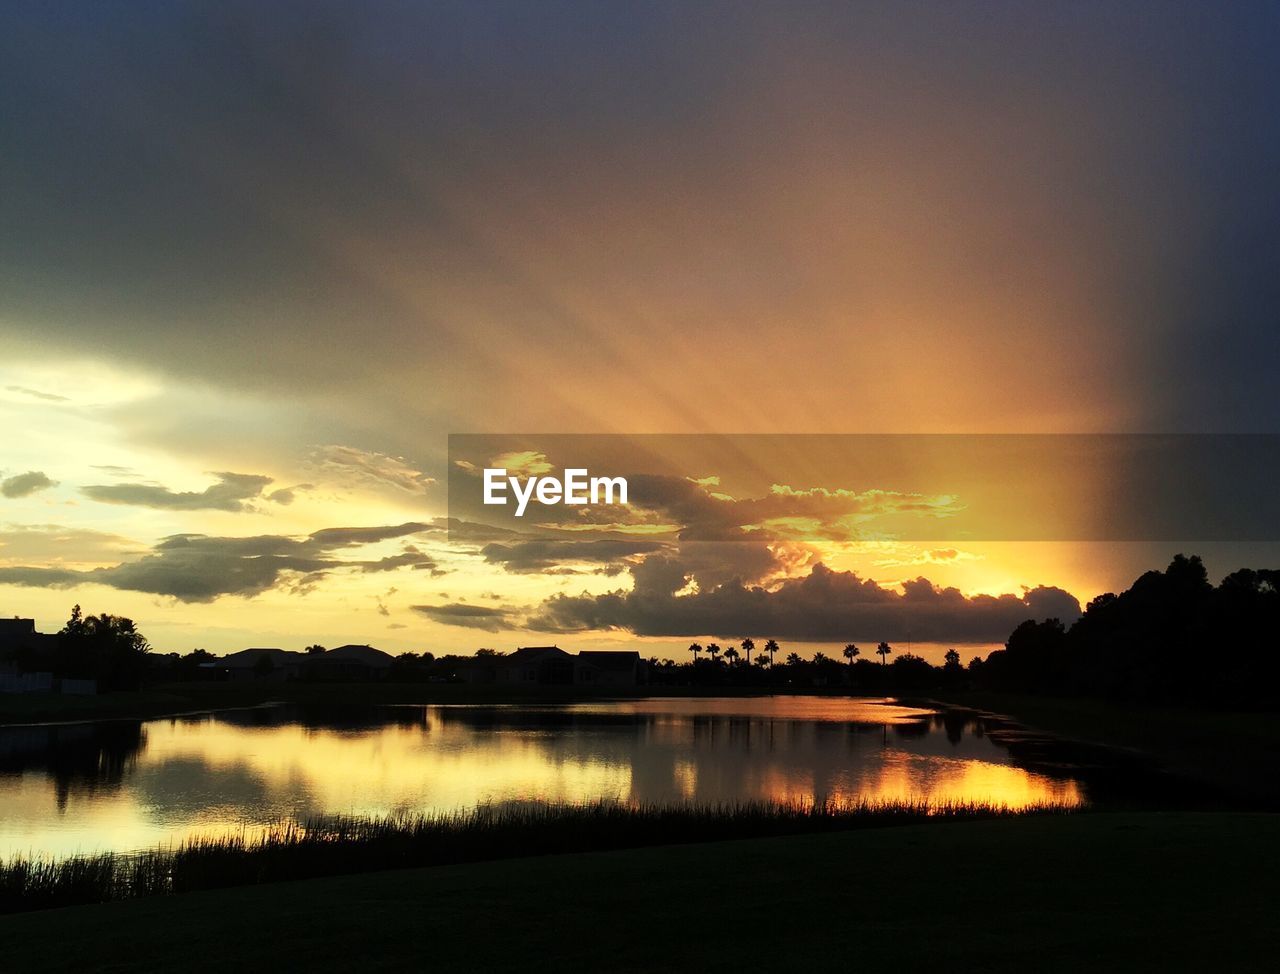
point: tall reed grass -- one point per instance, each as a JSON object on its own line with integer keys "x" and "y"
{"x": 339, "y": 845}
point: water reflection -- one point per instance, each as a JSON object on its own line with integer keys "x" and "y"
{"x": 129, "y": 784}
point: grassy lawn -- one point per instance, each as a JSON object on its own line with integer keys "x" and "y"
{"x": 1122, "y": 892}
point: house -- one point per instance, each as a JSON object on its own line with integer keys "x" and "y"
{"x": 26, "y": 657}
{"x": 349, "y": 662}
{"x": 345, "y": 663}
{"x": 537, "y": 665}
{"x": 19, "y": 636}
{"x": 261, "y": 664}
{"x": 608, "y": 669}
{"x": 551, "y": 665}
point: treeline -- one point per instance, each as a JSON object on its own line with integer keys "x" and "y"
{"x": 711, "y": 666}
{"x": 1170, "y": 638}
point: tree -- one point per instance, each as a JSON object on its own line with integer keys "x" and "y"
{"x": 106, "y": 648}
{"x": 731, "y": 654}
{"x": 748, "y": 647}
{"x": 315, "y": 650}
{"x": 695, "y": 648}
{"x": 762, "y": 660}
{"x": 883, "y": 651}
{"x": 851, "y": 652}
{"x": 771, "y": 647}
{"x": 793, "y": 659}
{"x": 713, "y": 650}
{"x": 951, "y": 662}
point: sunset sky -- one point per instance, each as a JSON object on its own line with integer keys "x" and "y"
{"x": 259, "y": 261}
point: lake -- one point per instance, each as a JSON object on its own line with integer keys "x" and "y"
{"x": 127, "y": 785}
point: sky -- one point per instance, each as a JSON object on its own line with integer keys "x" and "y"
{"x": 259, "y": 261}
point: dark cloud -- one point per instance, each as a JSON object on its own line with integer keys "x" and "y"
{"x": 252, "y": 193}
{"x": 25, "y": 484}
{"x": 233, "y": 492}
{"x": 824, "y": 605}
{"x": 541, "y": 555}
{"x": 470, "y": 616}
{"x": 348, "y": 537}
{"x": 41, "y": 577}
{"x": 201, "y": 568}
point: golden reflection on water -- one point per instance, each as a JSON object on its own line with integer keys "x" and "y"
{"x": 209, "y": 776}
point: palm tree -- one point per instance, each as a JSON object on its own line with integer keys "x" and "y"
{"x": 713, "y": 650}
{"x": 793, "y": 659}
{"x": 771, "y": 647}
{"x": 883, "y": 651}
{"x": 731, "y": 654}
{"x": 748, "y": 647}
{"x": 761, "y": 660}
{"x": 850, "y": 652}
{"x": 695, "y": 648}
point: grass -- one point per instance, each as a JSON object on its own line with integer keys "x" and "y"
{"x": 1098, "y": 892}
{"x": 342, "y": 845}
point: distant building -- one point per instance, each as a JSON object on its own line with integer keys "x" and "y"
{"x": 259, "y": 664}
{"x": 26, "y": 657}
{"x": 608, "y": 669}
{"x": 546, "y": 665}
{"x": 552, "y": 666}
{"x": 346, "y": 663}
{"x": 19, "y": 636}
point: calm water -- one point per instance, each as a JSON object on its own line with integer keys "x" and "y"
{"x": 126, "y": 785}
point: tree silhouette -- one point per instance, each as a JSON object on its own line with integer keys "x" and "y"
{"x": 771, "y": 647}
{"x": 850, "y": 653}
{"x": 695, "y": 648}
{"x": 104, "y": 647}
{"x": 731, "y": 654}
{"x": 762, "y": 659}
{"x": 713, "y": 650}
{"x": 748, "y": 647}
{"x": 883, "y": 651}
{"x": 793, "y": 659}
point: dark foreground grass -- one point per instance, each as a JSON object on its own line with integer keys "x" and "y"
{"x": 336, "y": 846}
{"x": 1098, "y": 892}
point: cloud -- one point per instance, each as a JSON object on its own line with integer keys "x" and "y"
{"x": 287, "y": 495}
{"x": 823, "y": 605}
{"x": 50, "y": 545}
{"x": 37, "y": 394}
{"x": 541, "y": 555}
{"x": 368, "y": 468}
{"x": 233, "y": 492}
{"x": 699, "y": 510}
{"x": 202, "y": 568}
{"x": 522, "y": 463}
{"x": 482, "y": 617}
{"x": 26, "y": 484}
